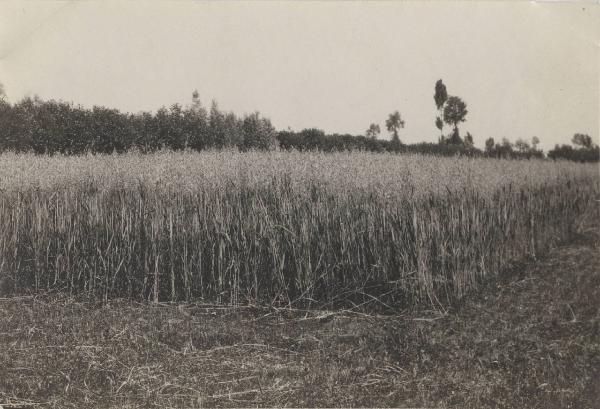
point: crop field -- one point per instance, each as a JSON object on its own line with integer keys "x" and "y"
{"x": 302, "y": 230}
{"x": 227, "y": 279}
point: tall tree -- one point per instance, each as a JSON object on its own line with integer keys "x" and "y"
{"x": 393, "y": 124}
{"x": 440, "y": 97}
{"x": 373, "y": 131}
{"x": 455, "y": 112}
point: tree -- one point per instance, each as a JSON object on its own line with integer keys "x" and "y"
{"x": 578, "y": 155}
{"x": 196, "y": 125}
{"x": 235, "y": 133}
{"x": 499, "y": 150}
{"x": 583, "y": 140}
{"x": 312, "y": 138}
{"x": 489, "y": 145}
{"x": 393, "y": 124}
{"x": 469, "y": 139}
{"x": 258, "y": 133}
{"x": 373, "y": 131}
{"x": 2, "y": 93}
{"x": 534, "y": 151}
{"x": 440, "y": 125}
{"x": 454, "y": 138}
{"x": 197, "y": 107}
{"x": 216, "y": 125}
{"x": 455, "y": 112}
{"x": 522, "y": 146}
{"x": 440, "y": 97}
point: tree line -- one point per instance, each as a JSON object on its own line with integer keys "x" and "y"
{"x": 452, "y": 110}
{"x": 50, "y": 127}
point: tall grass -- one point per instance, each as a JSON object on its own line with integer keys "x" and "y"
{"x": 300, "y": 228}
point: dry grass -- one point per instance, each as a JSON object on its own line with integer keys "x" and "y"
{"x": 301, "y": 230}
{"x": 530, "y": 339}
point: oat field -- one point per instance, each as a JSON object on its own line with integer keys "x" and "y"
{"x": 300, "y": 229}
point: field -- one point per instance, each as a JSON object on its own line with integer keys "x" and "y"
{"x": 303, "y": 230}
{"x": 298, "y": 279}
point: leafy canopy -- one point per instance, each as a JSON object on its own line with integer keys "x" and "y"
{"x": 455, "y": 111}
{"x": 393, "y": 124}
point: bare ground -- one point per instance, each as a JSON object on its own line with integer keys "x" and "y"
{"x": 531, "y": 339}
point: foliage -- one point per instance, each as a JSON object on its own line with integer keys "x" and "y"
{"x": 468, "y": 139}
{"x": 455, "y": 111}
{"x": 522, "y": 145}
{"x": 373, "y": 131}
{"x": 316, "y": 140}
{"x": 454, "y": 138}
{"x": 439, "y": 123}
{"x": 51, "y": 127}
{"x": 393, "y": 124}
{"x": 56, "y": 127}
{"x": 440, "y": 97}
{"x": 567, "y": 152}
{"x": 583, "y": 140}
{"x": 258, "y": 133}
{"x": 519, "y": 150}
{"x": 443, "y": 149}
{"x": 489, "y": 146}
{"x": 586, "y": 151}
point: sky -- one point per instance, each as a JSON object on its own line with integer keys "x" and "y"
{"x": 524, "y": 68}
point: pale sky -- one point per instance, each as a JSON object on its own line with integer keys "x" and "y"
{"x": 523, "y": 68}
